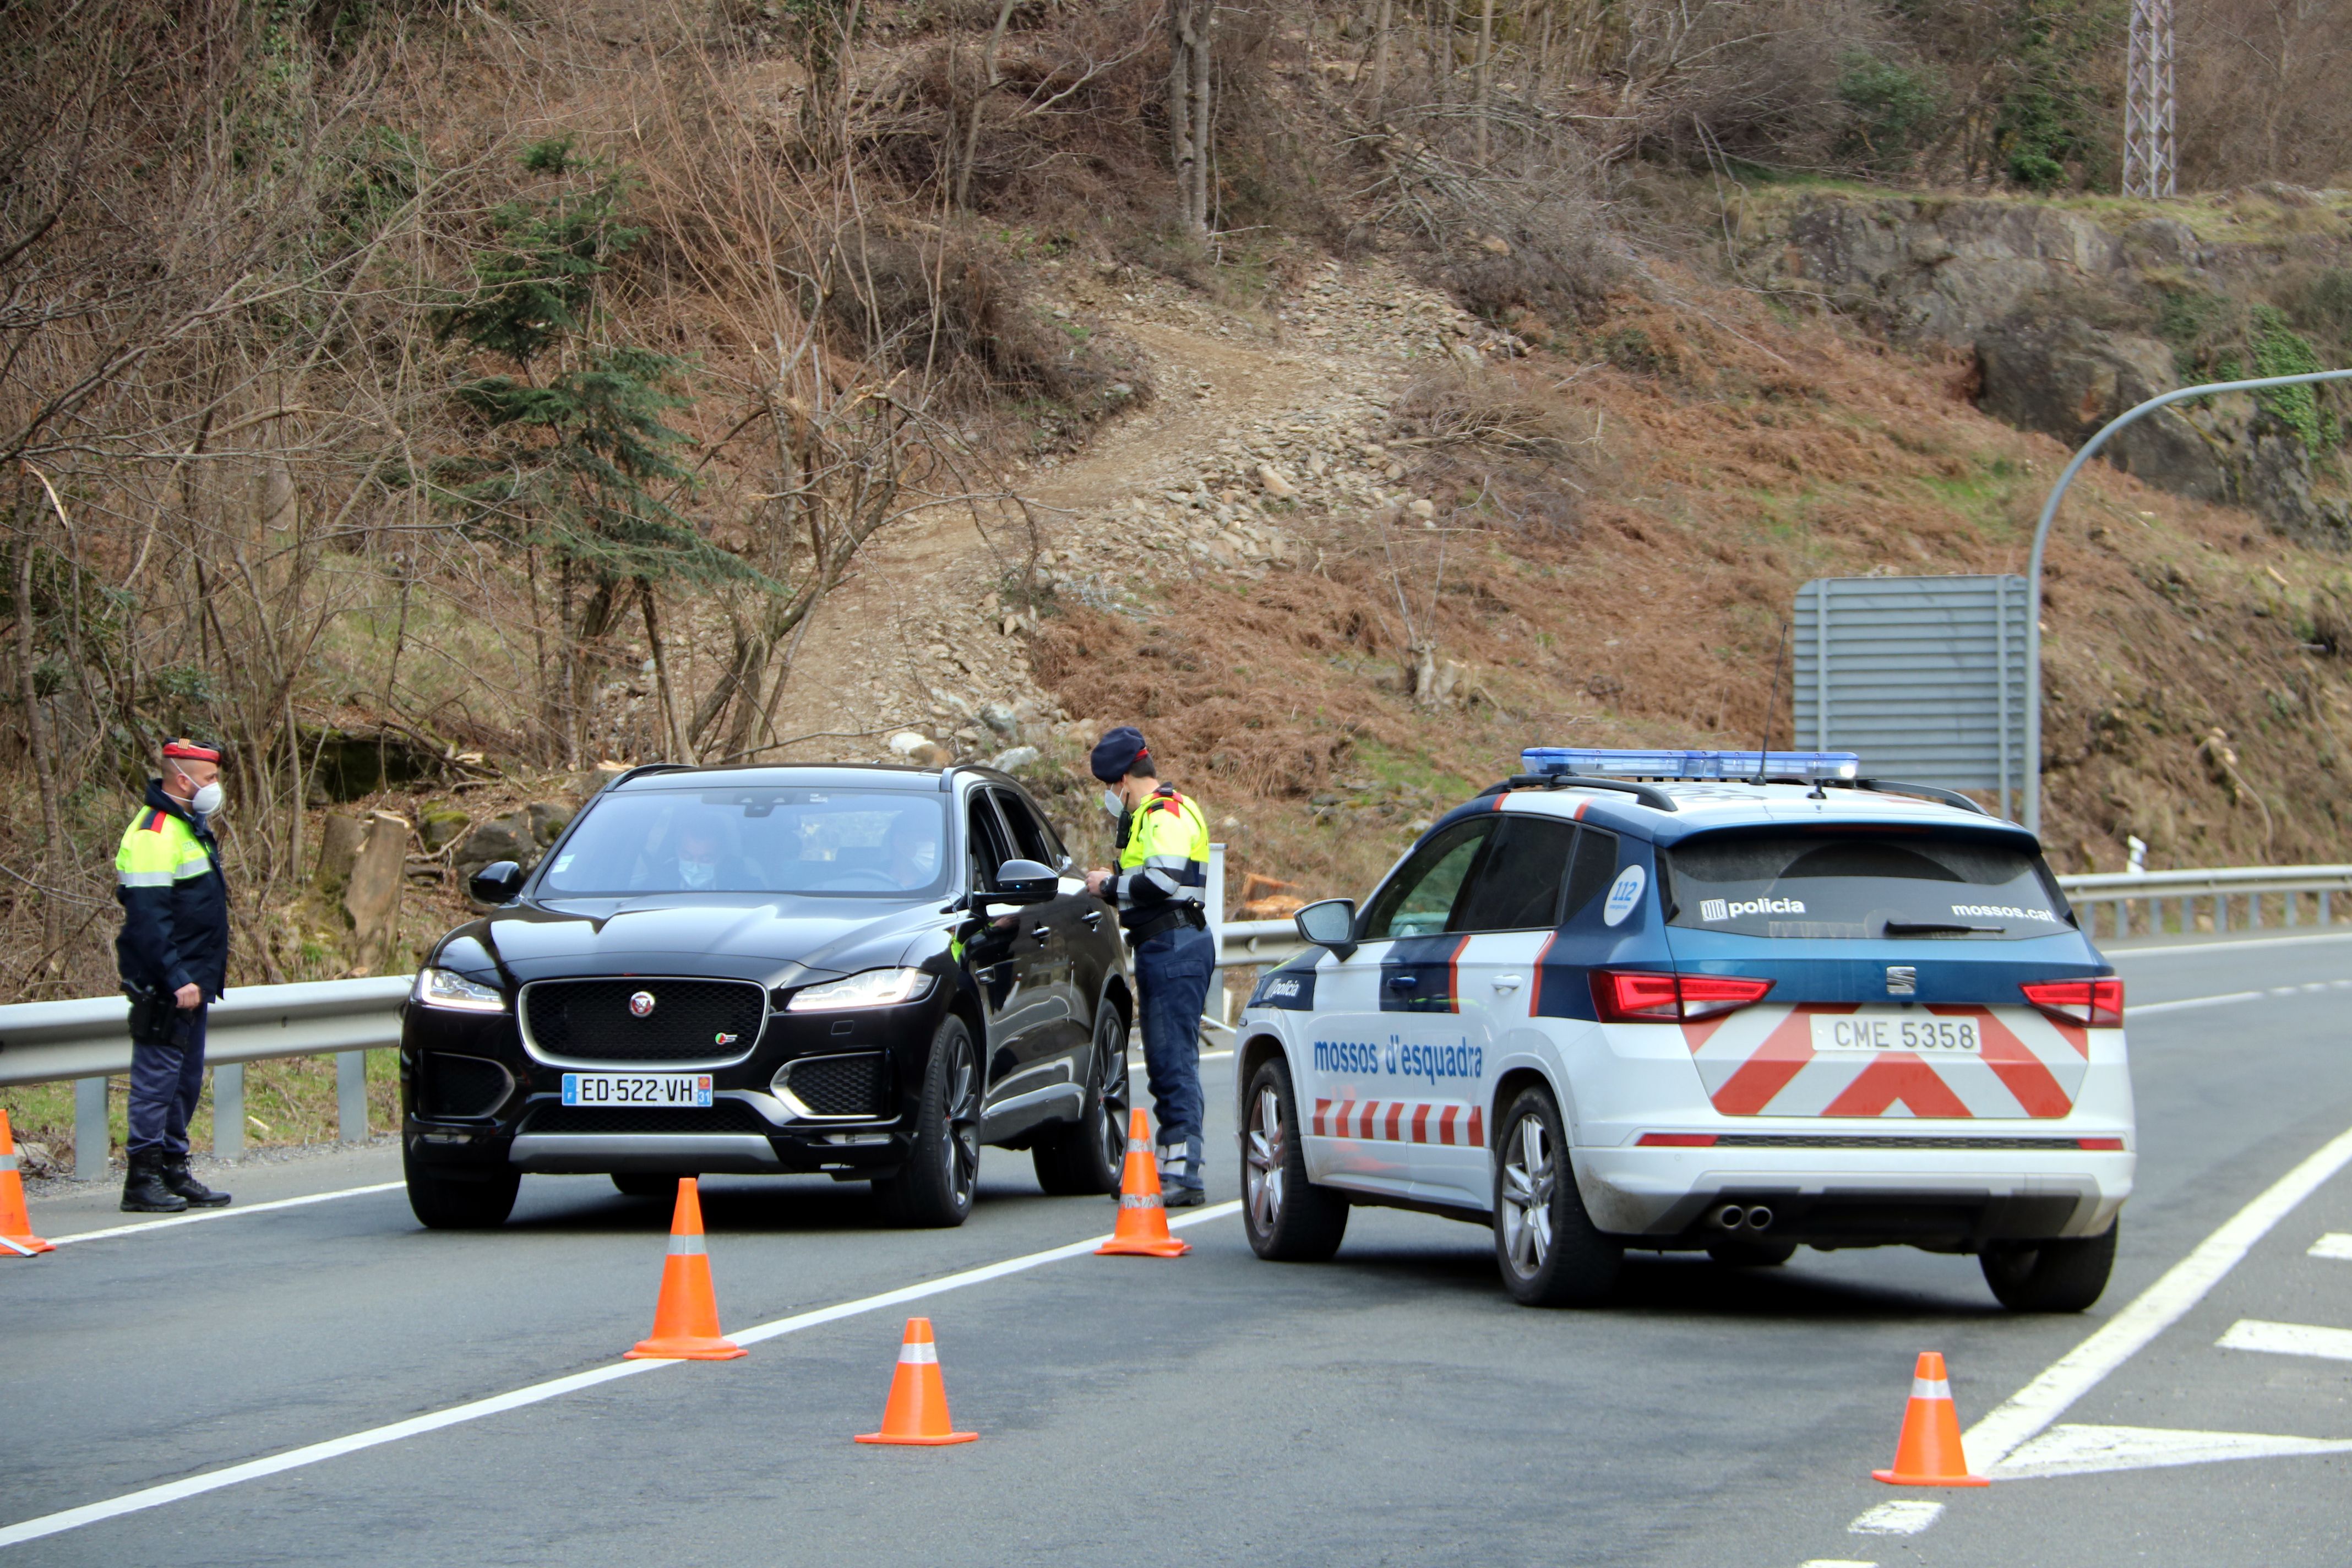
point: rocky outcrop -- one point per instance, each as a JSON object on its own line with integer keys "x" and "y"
{"x": 362, "y": 864}
{"x": 1994, "y": 276}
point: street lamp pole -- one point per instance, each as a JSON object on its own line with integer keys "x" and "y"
{"x": 2042, "y": 541}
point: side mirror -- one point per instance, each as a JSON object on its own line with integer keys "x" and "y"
{"x": 1025, "y": 882}
{"x": 1330, "y": 924}
{"x": 496, "y": 883}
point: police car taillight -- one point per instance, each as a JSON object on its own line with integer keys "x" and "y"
{"x": 2092, "y": 1004}
{"x": 1643, "y": 997}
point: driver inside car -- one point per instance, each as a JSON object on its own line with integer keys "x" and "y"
{"x": 704, "y": 858}
{"x": 914, "y": 852}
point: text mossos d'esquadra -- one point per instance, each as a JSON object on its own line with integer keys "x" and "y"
{"x": 1432, "y": 1064}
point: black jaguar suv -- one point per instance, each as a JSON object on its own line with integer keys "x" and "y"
{"x": 865, "y": 972}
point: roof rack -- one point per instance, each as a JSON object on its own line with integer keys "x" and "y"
{"x": 1924, "y": 792}
{"x": 1650, "y": 795}
{"x": 642, "y": 769}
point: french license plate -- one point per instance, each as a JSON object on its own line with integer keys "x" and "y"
{"x": 1896, "y": 1031}
{"x": 661, "y": 1090}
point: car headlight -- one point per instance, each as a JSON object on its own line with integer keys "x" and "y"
{"x": 448, "y": 988}
{"x": 875, "y": 988}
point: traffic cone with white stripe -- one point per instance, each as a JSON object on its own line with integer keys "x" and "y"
{"x": 1142, "y": 1228}
{"x": 16, "y": 1237}
{"x": 685, "y": 1319}
{"x": 916, "y": 1413}
{"x": 1929, "y": 1454}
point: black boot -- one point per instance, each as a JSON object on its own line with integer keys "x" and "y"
{"x": 144, "y": 1190}
{"x": 181, "y": 1180}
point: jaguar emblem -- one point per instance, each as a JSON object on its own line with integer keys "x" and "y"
{"x": 641, "y": 1005}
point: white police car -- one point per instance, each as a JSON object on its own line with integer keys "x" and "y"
{"x": 1634, "y": 999}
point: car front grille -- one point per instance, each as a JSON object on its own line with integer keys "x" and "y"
{"x": 718, "y": 1116}
{"x": 690, "y": 1020}
{"x": 850, "y": 1085}
{"x": 460, "y": 1086}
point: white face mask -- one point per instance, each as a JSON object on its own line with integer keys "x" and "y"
{"x": 698, "y": 873}
{"x": 1111, "y": 803}
{"x": 207, "y": 798}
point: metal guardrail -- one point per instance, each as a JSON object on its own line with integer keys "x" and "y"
{"x": 87, "y": 1040}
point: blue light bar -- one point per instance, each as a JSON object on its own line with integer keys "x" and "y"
{"x": 1595, "y": 762}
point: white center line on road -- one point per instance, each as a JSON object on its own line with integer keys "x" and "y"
{"x": 1905, "y": 1516}
{"x": 2287, "y": 1338}
{"x": 2121, "y": 952}
{"x": 2155, "y": 1309}
{"x": 235, "y": 1212}
{"x": 2335, "y": 1243}
{"x": 2140, "y": 1009}
{"x": 515, "y": 1399}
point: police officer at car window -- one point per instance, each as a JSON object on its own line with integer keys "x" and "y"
{"x": 1160, "y": 886}
{"x": 172, "y": 956}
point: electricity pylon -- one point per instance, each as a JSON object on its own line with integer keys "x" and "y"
{"x": 2149, "y": 162}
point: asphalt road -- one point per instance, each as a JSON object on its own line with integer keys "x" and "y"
{"x": 1392, "y": 1406}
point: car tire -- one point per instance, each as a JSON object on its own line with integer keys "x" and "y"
{"x": 1288, "y": 1218}
{"x": 441, "y": 1202}
{"x": 645, "y": 1185}
{"x": 1087, "y": 1157}
{"x": 934, "y": 1188}
{"x": 2051, "y": 1276}
{"x": 1753, "y": 1254}
{"x": 1550, "y": 1251}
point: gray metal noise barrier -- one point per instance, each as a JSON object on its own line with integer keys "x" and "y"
{"x": 1925, "y": 677}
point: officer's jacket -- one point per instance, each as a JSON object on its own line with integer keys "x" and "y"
{"x": 167, "y": 878}
{"x": 1163, "y": 857}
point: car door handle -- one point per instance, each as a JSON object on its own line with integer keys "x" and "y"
{"x": 1405, "y": 982}
{"x": 1509, "y": 981}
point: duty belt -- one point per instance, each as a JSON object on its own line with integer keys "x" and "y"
{"x": 1150, "y": 926}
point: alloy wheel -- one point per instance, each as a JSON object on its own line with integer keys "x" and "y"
{"x": 1529, "y": 1175}
{"x": 1262, "y": 1179}
{"x": 960, "y": 1150}
{"x": 1111, "y": 1068}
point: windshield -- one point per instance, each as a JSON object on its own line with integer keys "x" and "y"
{"x": 759, "y": 839}
{"x": 1846, "y": 882}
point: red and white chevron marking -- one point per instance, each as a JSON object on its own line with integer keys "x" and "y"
{"x": 1761, "y": 1061}
{"x": 1449, "y": 1123}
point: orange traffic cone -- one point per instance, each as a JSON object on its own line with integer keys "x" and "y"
{"x": 917, "y": 1411}
{"x": 685, "y": 1319}
{"x": 16, "y": 1237}
{"x": 1142, "y": 1229}
{"x": 1929, "y": 1454}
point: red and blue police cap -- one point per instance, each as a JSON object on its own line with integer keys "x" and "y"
{"x": 193, "y": 751}
{"x": 1115, "y": 755}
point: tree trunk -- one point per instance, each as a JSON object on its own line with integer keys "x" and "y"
{"x": 1381, "y": 59}
{"x": 37, "y": 737}
{"x": 1485, "y": 73}
{"x": 1183, "y": 152}
{"x": 679, "y": 750}
{"x": 987, "y": 86}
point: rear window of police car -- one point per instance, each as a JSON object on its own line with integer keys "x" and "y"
{"x": 1816, "y": 882}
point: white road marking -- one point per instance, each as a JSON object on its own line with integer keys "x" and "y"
{"x": 2138, "y": 1009}
{"x": 2221, "y": 946}
{"x": 2071, "y": 1450}
{"x": 2287, "y": 1338}
{"x": 2155, "y": 1309}
{"x": 1836, "y": 1562}
{"x": 233, "y": 1211}
{"x": 1905, "y": 1516}
{"x": 2335, "y": 1243}
{"x": 515, "y": 1399}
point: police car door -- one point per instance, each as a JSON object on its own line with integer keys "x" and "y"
{"x": 1507, "y": 916}
{"x": 1391, "y": 1000}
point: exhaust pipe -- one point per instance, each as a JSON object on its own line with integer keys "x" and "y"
{"x": 1760, "y": 1219}
{"x": 1730, "y": 1216}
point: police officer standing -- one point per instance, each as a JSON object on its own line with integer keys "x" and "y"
{"x": 1160, "y": 887}
{"x": 172, "y": 956}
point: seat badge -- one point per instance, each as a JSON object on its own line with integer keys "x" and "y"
{"x": 1902, "y": 980}
{"x": 641, "y": 1005}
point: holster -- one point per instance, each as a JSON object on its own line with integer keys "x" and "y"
{"x": 156, "y": 1016}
